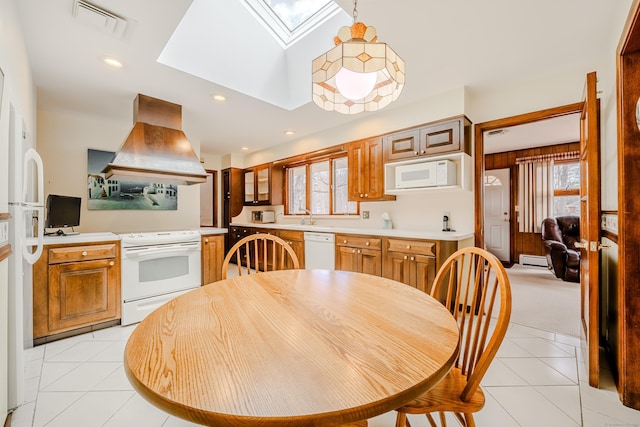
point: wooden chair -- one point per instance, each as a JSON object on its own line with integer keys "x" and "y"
{"x": 473, "y": 284}
{"x": 261, "y": 252}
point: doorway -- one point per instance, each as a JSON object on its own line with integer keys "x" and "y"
{"x": 497, "y": 205}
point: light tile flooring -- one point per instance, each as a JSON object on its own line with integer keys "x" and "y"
{"x": 537, "y": 379}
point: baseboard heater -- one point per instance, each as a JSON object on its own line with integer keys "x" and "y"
{"x": 536, "y": 260}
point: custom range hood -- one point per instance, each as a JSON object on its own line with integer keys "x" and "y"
{"x": 156, "y": 148}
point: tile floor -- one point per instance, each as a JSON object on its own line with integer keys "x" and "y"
{"x": 537, "y": 379}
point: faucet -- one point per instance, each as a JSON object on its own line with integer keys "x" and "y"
{"x": 311, "y": 220}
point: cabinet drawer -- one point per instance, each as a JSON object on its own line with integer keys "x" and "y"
{"x": 292, "y": 235}
{"x": 418, "y": 247}
{"x": 82, "y": 253}
{"x": 358, "y": 241}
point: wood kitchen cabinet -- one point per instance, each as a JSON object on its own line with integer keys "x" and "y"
{"x": 212, "y": 257}
{"x": 415, "y": 262}
{"x": 76, "y": 286}
{"x": 263, "y": 185}
{"x": 357, "y": 253}
{"x": 232, "y": 198}
{"x": 445, "y": 136}
{"x": 295, "y": 239}
{"x": 366, "y": 170}
{"x": 410, "y": 261}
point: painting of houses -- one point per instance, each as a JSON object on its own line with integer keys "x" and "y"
{"x": 109, "y": 193}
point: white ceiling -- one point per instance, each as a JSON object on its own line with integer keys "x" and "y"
{"x": 445, "y": 44}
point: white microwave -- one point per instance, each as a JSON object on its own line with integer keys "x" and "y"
{"x": 437, "y": 173}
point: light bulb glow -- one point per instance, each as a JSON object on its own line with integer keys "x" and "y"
{"x": 354, "y": 85}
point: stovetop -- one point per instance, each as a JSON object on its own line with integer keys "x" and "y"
{"x": 159, "y": 237}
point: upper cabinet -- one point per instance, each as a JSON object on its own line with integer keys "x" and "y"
{"x": 446, "y": 136}
{"x": 366, "y": 171}
{"x": 263, "y": 185}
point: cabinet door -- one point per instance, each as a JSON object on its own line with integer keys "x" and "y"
{"x": 295, "y": 239}
{"x": 83, "y": 293}
{"x": 397, "y": 267}
{"x": 370, "y": 262}
{"x": 356, "y": 166}
{"x": 402, "y": 145}
{"x": 262, "y": 185}
{"x": 424, "y": 271}
{"x": 212, "y": 258}
{"x": 347, "y": 259}
{"x": 374, "y": 158}
{"x": 441, "y": 138}
{"x": 249, "y": 187}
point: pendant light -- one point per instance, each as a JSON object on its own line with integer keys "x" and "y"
{"x": 358, "y": 74}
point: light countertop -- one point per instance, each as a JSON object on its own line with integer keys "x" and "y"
{"x": 75, "y": 238}
{"x": 415, "y": 234}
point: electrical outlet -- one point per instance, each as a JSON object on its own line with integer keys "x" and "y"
{"x": 365, "y": 214}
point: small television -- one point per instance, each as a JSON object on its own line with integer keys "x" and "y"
{"x": 62, "y": 211}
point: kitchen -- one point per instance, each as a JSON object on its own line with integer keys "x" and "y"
{"x": 63, "y": 136}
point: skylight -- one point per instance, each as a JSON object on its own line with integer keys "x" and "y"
{"x": 289, "y": 20}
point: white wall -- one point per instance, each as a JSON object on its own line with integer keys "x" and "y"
{"x": 64, "y": 138}
{"x": 20, "y": 91}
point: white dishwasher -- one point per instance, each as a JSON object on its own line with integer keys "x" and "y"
{"x": 319, "y": 250}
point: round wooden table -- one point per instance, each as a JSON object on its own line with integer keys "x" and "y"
{"x": 291, "y": 348}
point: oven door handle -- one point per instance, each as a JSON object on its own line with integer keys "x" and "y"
{"x": 159, "y": 251}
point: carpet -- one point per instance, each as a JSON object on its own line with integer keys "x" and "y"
{"x": 542, "y": 301}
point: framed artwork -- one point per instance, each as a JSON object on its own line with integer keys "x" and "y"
{"x": 111, "y": 194}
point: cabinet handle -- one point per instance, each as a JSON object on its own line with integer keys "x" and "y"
{"x": 416, "y": 153}
{"x": 366, "y": 195}
{"x": 111, "y": 263}
{"x": 361, "y": 195}
{"x": 353, "y": 251}
{"x": 423, "y": 151}
{"x": 368, "y": 243}
{"x": 206, "y": 240}
{"x": 359, "y": 251}
{"x": 405, "y": 257}
{"x": 345, "y": 242}
{"x": 413, "y": 258}
{"x": 290, "y": 242}
{"x": 84, "y": 253}
{"x": 408, "y": 246}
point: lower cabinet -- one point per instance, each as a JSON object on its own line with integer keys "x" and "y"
{"x": 411, "y": 262}
{"x": 361, "y": 254}
{"x": 76, "y": 286}
{"x": 415, "y": 262}
{"x": 212, "y": 257}
{"x": 295, "y": 239}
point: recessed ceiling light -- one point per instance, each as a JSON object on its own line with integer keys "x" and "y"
{"x": 112, "y": 62}
{"x": 219, "y": 98}
{"x": 289, "y": 132}
{"x": 244, "y": 148}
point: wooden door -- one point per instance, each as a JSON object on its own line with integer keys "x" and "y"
{"x": 497, "y": 225}
{"x": 212, "y": 258}
{"x": 590, "y": 225}
{"x": 396, "y": 267}
{"x": 347, "y": 258}
{"x": 83, "y": 293}
{"x": 370, "y": 261}
{"x": 425, "y": 272}
{"x": 375, "y": 168}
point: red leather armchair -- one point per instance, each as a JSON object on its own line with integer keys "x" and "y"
{"x": 559, "y": 236}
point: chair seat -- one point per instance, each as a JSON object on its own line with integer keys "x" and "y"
{"x": 439, "y": 398}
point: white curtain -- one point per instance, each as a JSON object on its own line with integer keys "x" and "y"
{"x": 535, "y": 192}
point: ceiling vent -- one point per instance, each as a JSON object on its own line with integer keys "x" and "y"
{"x": 98, "y": 18}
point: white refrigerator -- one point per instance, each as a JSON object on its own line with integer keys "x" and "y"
{"x": 26, "y": 202}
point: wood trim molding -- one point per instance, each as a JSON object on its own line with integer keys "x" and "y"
{"x": 480, "y": 128}
{"x": 5, "y": 216}
{"x": 5, "y": 251}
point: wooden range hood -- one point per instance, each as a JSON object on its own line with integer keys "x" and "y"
{"x": 156, "y": 149}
